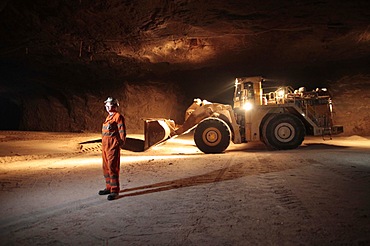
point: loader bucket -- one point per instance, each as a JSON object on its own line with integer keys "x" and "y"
{"x": 157, "y": 131}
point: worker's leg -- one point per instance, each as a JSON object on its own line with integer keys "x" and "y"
{"x": 114, "y": 169}
{"x": 106, "y": 174}
{"x": 111, "y": 167}
{"x": 107, "y": 156}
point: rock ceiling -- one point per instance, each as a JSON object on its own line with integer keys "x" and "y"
{"x": 188, "y": 34}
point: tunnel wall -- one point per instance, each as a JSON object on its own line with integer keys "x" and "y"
{"x": 351, "y": 101}
{"x": 86, "y": 112}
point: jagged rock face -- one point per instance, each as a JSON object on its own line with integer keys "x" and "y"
{"x": 59, "y": 59}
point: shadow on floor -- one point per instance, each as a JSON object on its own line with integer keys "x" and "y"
{"x": 228, "y": 173}
{"x": 321, "y": 146}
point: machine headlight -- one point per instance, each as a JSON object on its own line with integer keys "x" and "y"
{"x": 248, "y": 106}
{"x": 280, "y": 93}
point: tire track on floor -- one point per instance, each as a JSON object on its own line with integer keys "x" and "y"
{"x": 26, "y": 221}
{"x": 274, "y": 182}
{"x": 89, "y": 148}
{"x": 198, "y": 220}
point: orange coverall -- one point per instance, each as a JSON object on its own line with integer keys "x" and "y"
{"x": 113, "y": 136}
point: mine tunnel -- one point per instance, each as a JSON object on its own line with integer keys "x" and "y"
{"x": 59, "y": 61}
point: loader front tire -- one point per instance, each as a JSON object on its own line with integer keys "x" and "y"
{"x": 283, "y": 131}
{"x": 212, "y": 135}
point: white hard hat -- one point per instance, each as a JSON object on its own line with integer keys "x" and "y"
{"x": 111, "y": 101}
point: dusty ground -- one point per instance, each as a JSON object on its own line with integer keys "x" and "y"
{"x": 318, "y": 194}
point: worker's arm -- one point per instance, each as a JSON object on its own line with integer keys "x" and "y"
{"x": 121, "y": 130}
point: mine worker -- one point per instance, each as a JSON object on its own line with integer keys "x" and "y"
{"x": 113, "y": 139}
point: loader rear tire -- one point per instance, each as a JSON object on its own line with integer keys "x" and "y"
{"x": 212, "y": 135}
{"x": 283, "y": 131}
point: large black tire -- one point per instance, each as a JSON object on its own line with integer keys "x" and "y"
{"x": 283, "y": 131}
{"x": 212, "y": 135}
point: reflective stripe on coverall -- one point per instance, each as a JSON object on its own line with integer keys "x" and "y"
{"x": 113, "y": 133}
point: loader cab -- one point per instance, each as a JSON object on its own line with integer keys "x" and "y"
{"x": 248, "y": 92}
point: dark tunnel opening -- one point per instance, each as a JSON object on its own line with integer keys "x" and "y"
{"x": 11, "y": 114}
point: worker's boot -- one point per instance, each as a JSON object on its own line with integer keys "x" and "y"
{"x": 112, "y": 196}
{"x": 104, "y": 192}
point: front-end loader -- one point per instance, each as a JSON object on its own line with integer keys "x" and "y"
{"x": 280, "y": 117}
